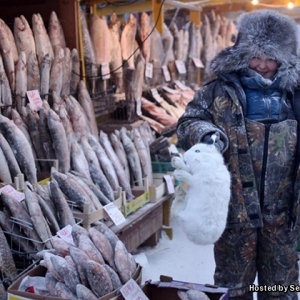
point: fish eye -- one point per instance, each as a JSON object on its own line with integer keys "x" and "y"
{"x": 198, "y": 151}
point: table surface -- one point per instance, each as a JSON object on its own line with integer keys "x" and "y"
{"x": 139, "y": 214}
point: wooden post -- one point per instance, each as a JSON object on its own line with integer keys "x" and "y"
{"x": 80, "y": 43}
{"x": 195, "y": 17}
{"x": 158, "y": 14}
{"x": 67, "y": 12}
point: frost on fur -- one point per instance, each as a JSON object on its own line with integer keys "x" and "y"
{"x": 201, "y": 208}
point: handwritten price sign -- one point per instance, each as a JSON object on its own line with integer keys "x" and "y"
{"x": 9, "y": 190}
{"x": 114, "y": 213}
{"x": 132, "y": 291}
{"x": 35, "y": 99}
{"x": 66, "y": 234}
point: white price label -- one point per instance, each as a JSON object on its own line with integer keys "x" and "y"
{"x": 35, "y": 99}
{"x": 9, "y": 190}
{"x": 139, "y": 106}
{"x": 66, "y": 234}
{"x": 149, "y": 70}
{"x": 156, "y": 95}
{"x": 180, "y": 65}
{"x": 114, "y": 213}
{"x": 170, "y": 184}
{"x": 131, "y": 291}
{"x": 173, "y": 149}
{"x": 198, "y": 63}
{"x": 169, "y": 90}
{"x": 166, "y": 72}
{"x": 180, "y": 85}
{"x": 105, "y": 71}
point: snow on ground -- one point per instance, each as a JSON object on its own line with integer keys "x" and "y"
{"x": 178, "y": 258}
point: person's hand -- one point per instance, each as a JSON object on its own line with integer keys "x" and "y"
{"x": 214, "y": 139}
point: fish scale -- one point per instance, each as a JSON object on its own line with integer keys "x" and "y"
{"x": 95, "y": 170}
{"x": 33, "y": 73}
{"x": 21, "y": 81}
{"x": 81, "y": 258}
{"x": 85, "y": 244}
{"x": 96, "y": 274}
{"x": 103, "y": 245}
{"x": 75, "y": 78}
{"x": 66, "y": 271}
{"x": 23, "y": 36}
{"x": 84, "y": 293}
{"x": 37, "y": 216}
{"x": 132, "y": 156}
{"x": 56, "y": 33}
{"x": 41, "y": 39}
{"x": 60, "y": 142}
{"x": 18, "y": 211}
{"x": 85, "y": 101}
{"x": 70, "y": 189}
{"x": 7, "y": 264}
{"x": 123, "y": 180}
{"x": 63, "y": 292}
{"x": 64, "y": 212}
{"x": 105, "y": 163}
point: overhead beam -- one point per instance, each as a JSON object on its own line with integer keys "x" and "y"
{"x": 180, "y": 4}
{"x": 218, "y": 5}
{"x": 195, "y": 17}
{"x": 158, "y": 14}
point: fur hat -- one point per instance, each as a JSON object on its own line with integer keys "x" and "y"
{"x": 263, "y": 33}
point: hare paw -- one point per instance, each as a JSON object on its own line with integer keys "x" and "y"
{"x": 182, "y": 175}
{"x": 177, "y": 162}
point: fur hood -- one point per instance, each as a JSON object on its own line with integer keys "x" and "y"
{"x": 263, "y": 33}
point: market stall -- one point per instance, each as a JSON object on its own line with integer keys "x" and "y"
{"x": 90, "y": 95}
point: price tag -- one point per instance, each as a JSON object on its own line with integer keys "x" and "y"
{"x": 170, "y": 184}
{"x": 166, "y": 72}
{"x": 131, "y": 291}
{"x": 149, "y": 70}
{"x": 169, "y": 90}
{"x": 156, "y": 95}
{"x": 105, "y": 71}
{"x": 66, "y": 234}
{"x": 198, "y": 63}
{"x": 180, "y": 65}
{"x": 180, "y": 85}
{"x": 114, "y": 213}
{"x": 173, "y": 150}
{"x": 9, "y": 190}
{"x": 139, "y": 106}
{"x": 35, "y": 99}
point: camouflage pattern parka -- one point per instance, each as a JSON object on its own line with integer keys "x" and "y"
{"x": 261, "y": 157}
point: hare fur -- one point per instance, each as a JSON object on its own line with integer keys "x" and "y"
{"x": 203, "y": 208}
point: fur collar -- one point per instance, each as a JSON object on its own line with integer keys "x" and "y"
{"x": 261, "y": 33}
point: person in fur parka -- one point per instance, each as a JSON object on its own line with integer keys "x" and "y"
{"x": 253, "y": 104}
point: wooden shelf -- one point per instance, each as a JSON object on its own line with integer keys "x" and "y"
{"x": 145, "y": 224}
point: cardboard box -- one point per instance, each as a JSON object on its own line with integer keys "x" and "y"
{"x": 142, "y": 229}
{"x": 14, "y": 294}
{"x": 159, "y": 187}
{"x": 168, "y": 290}
{"x": 142, "y": 196}
{"x": 99, "y": 214}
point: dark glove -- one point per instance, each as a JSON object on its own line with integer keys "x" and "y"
{"x": 214, "y": 139}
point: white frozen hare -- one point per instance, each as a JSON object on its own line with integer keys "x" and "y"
{"x": 202, "y": 209}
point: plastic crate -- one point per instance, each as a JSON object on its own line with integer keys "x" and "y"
{"x": 162, "y": 167}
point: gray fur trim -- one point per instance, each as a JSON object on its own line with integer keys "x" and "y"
{"x": 263, "y": 33}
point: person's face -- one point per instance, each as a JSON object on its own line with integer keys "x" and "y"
{"x": 264, "y": 66}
